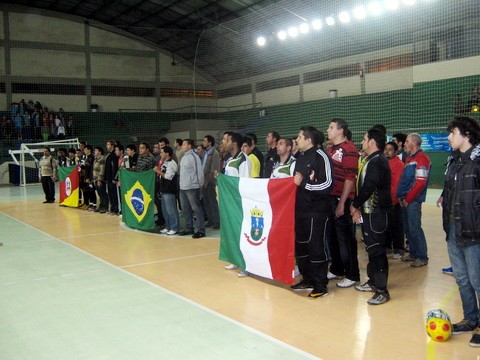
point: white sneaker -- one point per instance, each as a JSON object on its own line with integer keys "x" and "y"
{"x": 230, "y": 267}
{"x": 164, "y": 231}
{"x": 172, "y": 232}
{"x": 346, "y": 283}
{"x": 243, "y": 273}
{"x": 332, "y": 276}
{"x": 296, "y": 272}
{"x": 397, "y": 256}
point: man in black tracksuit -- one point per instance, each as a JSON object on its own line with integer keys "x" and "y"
{"x": 314, "y": 178}
{"x": 372, "y": 205}
{"x": 111, "y": 169}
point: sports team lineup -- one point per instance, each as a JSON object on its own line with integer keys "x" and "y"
{"x": 248, "y": 179}
{"x": 378, "y": 186}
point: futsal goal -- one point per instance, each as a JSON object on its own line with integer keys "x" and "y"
{"x": 29, "y": 155}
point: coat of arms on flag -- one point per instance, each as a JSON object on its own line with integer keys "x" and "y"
{"x": 256, "y": 230}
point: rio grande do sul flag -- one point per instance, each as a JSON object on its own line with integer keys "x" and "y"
{"x": 68, "y": 183}
{"x": 138, "y": 191}
{"x": 258, "y": 223}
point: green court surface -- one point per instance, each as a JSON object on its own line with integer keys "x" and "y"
{"x": 58, "y": 302}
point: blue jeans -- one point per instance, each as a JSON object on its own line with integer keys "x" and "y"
{"x": 170, "y": 211}
{"x": 412, "y": 225}
{"x": 191, "y": 206}
{"x": 466, "y": 269}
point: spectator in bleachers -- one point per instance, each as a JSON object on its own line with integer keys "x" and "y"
{"x": 61, "y": 131}
{"x": 18, "y": 125}
{"x": 70, "y": 126}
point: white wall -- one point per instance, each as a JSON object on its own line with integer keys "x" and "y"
{"x": 234, "y": 101}
{"x": 129, "y": 62}
{"x": 122, "y": 67}
{"x": 447, "y": 69}
{"x": 39, "y": 28}
{"x": 47, "y": 63}
{"x": 104, "y": 38}
{"x": 285, "y": 95}
{"x": 321, "y": 90}
{"x": 389, "y": 80}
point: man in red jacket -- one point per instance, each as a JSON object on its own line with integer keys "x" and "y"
{"x": 412, "y": 192}
{"x": 395, "y": 235}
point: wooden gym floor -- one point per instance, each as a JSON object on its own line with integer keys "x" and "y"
{"x": 80, "y": 285}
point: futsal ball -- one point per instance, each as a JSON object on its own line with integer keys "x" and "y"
{"x": 438, "y": 326}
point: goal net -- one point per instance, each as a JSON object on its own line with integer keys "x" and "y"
{"x": 27, "y": 158}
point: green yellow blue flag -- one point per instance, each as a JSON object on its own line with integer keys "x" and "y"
{"x": 68, "y": 184}
{"x": 138, "y": 191}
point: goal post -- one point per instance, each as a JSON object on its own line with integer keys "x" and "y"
{"x": 29, "y": 155}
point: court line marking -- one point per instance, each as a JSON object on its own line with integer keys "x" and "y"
{"x": 26, "y": 242}
{"x": 167, "y": 260}
{"x": 443, "y": 302}
{"x": 180, "y": 297}
{"x": 104, "y": 233}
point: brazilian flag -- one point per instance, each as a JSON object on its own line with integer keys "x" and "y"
{"x": 137, "y": 191}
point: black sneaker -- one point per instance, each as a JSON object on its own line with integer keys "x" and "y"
{"x": 462, "y": 327}
{"x": 475, "y": 340}
{"x": 379, "y": 298}
{"x": 186, "y": 232}
{"x": 318, "y": 292}
{"x": 198, "y": 235}
{"x": 302, "y": 285}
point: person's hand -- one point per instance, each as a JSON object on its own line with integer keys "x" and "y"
{"x": 356, "y": 214}
{"x": 357, "y": 217}
{"x": 440, "y": 201}
{"x": 340, "y": 210}
{"x": 403, "y": 202}
{"x": 297, "y": 178}
{"x": 215, "y": 174}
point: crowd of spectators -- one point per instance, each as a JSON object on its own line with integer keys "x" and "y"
{"x": 30, "y": 121}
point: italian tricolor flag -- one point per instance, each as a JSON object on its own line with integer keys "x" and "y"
{"x": 68, "y": 182}
{"x": 258, "y": 223}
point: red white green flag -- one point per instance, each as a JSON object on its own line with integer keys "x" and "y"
{"x": 68, "y": 183}
{"x": 258, "y": 224}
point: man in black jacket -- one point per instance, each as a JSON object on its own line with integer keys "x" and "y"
{"x": 111, "y": 169}
{"x": 460, "y": 199}
{"x": 314, "y": 178}
{"x": 371, "y": 207}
